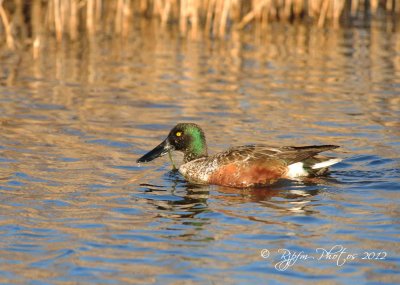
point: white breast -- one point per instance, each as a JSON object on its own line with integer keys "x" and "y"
{"x": 197, "y": 171}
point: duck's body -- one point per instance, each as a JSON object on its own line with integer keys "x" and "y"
{"x": 243, "y": 166}
{"x": 255, "y": 165}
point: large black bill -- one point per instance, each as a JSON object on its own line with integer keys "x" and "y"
{"x": 158, "y": 151}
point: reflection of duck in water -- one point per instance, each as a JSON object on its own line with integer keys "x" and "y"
{"x": 243, "y": 166}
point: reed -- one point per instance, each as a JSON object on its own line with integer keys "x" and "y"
{"x": 72, "y": 19}
{"x": 7, "y": 27}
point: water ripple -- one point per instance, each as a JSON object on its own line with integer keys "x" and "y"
{"x": 77, "y": 208}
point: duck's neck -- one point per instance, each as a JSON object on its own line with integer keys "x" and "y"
{"x": 197, "y": 147}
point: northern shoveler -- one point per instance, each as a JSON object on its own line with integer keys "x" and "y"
{"x": 243, "y": 166}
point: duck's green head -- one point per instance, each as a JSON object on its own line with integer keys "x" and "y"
{"x": 185, "y": 137}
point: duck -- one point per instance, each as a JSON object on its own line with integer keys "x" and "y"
{"x": 241, "y": 166}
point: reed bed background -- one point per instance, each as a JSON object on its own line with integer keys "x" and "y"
{"x": 26, "y": 21}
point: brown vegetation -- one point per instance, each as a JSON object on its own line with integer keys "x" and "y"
{"x": 23, "y": 19}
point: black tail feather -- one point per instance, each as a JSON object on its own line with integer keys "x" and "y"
{"x": 300, "y": 153}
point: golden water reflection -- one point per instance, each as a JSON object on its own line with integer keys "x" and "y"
{"x": 77, "y": 208}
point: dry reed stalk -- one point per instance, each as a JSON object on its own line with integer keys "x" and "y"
{"x": 224, "y": 17}
{"x": 287, "y": 9}
{"x": 209, "y": 15}
{"x": 49, "y": 18}
{"x": 250, "y": 16}
{"x": 337, "y": 7}
{"x": 274, "y": 12}
{"x": 36, "y": 23}
{"x": 267, "y": 12}
{"x": 7, "y": 27}
{"x": 314, "y": 6}
{"x": 90, "y": 13}
{"x": 18, "y": 20}
{"x": 323, "y": 13}
{"x": 57, "y": 20}
{"x": 73, "y": 20}
{"x": 354, "y": 7}
{"x": 217, "y": 16}
{"x": 374, "y": 5}
{"x": 389, "y": 5}
{"x": 194, "y": 15}
{"x": 98, "y": 12}
{"x": 108, "y": 19}
{"x": 183, "y": 17}
{"x": 126, "y": 14}
{"x": 64, "y": 9}
{"x": 118, "y": 17}
{"x": 298, "y": 7}
{"x": 166, "y": 10}
{"x": 36, "y": 18}
{"x": 157, "y": 7}
{"x": 235, "y": 11}
{"x": 258, "y": 10}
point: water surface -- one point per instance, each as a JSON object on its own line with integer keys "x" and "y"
{"x": 76, "y": 208}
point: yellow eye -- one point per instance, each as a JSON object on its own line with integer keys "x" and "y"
{"x": 178, "y": 134}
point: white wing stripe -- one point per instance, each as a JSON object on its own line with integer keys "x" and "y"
{"x": 326, "y": 163}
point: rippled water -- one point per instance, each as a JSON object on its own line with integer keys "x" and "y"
{"x": 76, "y": 208}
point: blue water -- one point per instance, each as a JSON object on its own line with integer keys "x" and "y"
{"x": 76, "y": 208}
